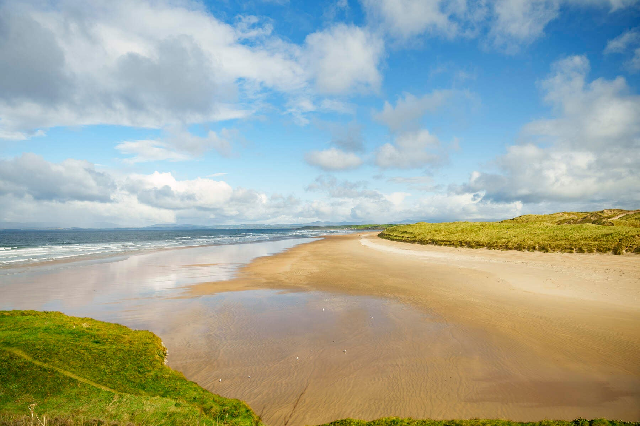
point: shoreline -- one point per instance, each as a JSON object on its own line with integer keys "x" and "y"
{"x": 521, "y": 338}
{"x": 354, "y": 326}
{"x": 115, "y": 256}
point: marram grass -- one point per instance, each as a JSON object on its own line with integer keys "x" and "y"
{"x": 608, "y": 231}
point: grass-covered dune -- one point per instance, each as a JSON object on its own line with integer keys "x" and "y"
{"x": 58, "y": 370}
{"x": 75, "y": 370}
{"x": 607, "y": 231}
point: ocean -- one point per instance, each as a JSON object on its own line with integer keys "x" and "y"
{"x": 23, "y": 247}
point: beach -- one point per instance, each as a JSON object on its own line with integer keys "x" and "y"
{"x": 356, "y": 326}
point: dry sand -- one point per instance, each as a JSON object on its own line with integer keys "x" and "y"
{"x": 459, "y": 333}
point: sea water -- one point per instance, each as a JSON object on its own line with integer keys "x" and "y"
{"x": 23, "y": 247}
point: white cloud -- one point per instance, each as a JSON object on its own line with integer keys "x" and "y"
{"x": 520, "y": 22}
{"x": 73, "y": 193}
{"x": 589, "y": 153}
{"x": 333, "y": 159}
{"x": 629, "y": 40}
{"x": 149, "y": 150}
{"x": 352, "y": 201}
{"x": 410, "y": 109}
{"x": 623, "y": 41}
{"x": 504, "y": 24}
{"x": 31, "y": 175}
{"x": 162, "y": 190}
{"x": 347, "y": 137}
{"x": 247, "y": 27}
{"x": 335, "y": 105}
{"x": 411, "y": 150}
{"x": 406, "y": 18}
{"x": 178, "y": 145}
{"x": 517, "y": 23}
{"x": 345, "y": 58}
{"x": 413, "y": 146}
{"x": 599, "y": 116}
{"x": 163, "y": 63}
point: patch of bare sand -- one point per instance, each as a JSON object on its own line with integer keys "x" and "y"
{"x": 524, "y": 336}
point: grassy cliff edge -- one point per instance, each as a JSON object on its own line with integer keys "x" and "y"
{"x": 68, "y": 367}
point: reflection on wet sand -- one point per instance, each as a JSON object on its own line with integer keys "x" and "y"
{"x": 104, "y": 287}
{"x": 335, "y": 329}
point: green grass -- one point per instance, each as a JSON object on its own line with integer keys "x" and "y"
{"x": 580, "y": 232}
{"x": 81, "y": 368}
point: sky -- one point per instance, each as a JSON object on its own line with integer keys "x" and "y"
{"x": 134, "y": 112}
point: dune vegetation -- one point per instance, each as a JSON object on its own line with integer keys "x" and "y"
{"x": 608, "y": 231}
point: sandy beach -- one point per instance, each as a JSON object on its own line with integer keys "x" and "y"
{"x": 356, "y": 326}
{"x": 482, "y": 333}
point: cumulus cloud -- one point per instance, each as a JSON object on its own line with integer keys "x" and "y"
{"x": 32, "y": 62}
{"x": 152, "y": 64}
{"x": 589, "y": 152}
{"x": 413, "y": 146}
{"x": 345, "y": 58}
{"x": 520, "y": 22}
{"x": 74, "y": 193}
{"x": 353, "y": 201}
{"x": 162, "y": 190}
{"x": 405, "y": 18}
{"x": 347, "y": 140}
{"x": 411, "y": 150}
{"x": 30, "y": 175}
{"x": 333, "y": 159}
{"x": 410, "y": 109}
{"x": 345, "y": 136}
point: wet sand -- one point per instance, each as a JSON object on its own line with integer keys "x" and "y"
{"x": 355, "y": 326}
{"x": 469, "y": 333}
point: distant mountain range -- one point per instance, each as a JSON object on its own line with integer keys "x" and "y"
{"x": 173, "y": 226}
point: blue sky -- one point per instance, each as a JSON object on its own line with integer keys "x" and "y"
{"x": 135, "y": 112}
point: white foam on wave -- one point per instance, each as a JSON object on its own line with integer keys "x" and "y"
{"x": 11, "y": 256}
